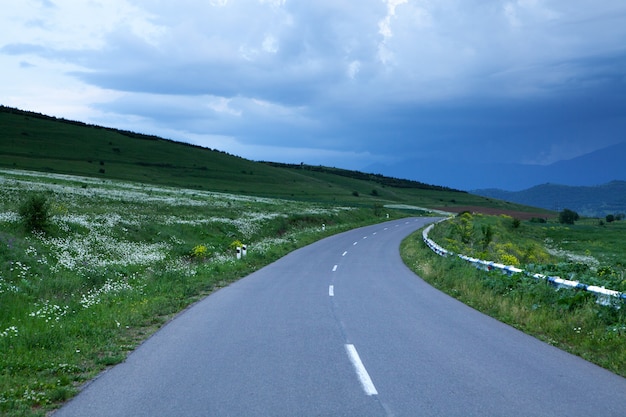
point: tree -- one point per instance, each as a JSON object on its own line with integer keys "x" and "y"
{"x": 568, "y": 216}
{"x": 35, "y": 213}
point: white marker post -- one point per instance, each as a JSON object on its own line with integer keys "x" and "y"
{"x": 323, "y": 227}
{"x": 238, "y": 252}
{"x": 244, "y": 250}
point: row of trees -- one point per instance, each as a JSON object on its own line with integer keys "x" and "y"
{"x": 614, "y": 217}
{"x": 568, "y": 216}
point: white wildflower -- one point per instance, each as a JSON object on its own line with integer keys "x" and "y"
{"x": 9, "y": 332}
{"x": 50, "y": 312}
{"x": 9, "y": 217}
{"x": 94, "y": 296}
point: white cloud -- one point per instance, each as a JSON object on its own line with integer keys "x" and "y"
{"x": 353, "y": 69}
{"x": 322, "y": 72}
{"x": 270, "y": 44}
{"x": 522, "y": 12}
{"x": 68, "y": 24}
{"x": 385, "y": 55}
{"x": 384, "y": 26}
{"x": 274, "y": 3}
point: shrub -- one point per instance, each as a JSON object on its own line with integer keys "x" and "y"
{"x": 199, "y": 252}
{"x": 35, "y": 213}
{"x": 378, "y": 209}
{"x": 487, "y": 235}
{"x": 568, "y": 216}
{"x": 235, "y": 244}
{"x": 465, "y": 227}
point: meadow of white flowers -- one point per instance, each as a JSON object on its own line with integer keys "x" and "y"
{"x": 94, "y": 216}
{"x": 114, "y": 250}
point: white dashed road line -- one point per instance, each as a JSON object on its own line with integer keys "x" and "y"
{"x": 364, "y": 378}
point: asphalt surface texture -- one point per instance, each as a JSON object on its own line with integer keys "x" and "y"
{"x": 343, "y": 328}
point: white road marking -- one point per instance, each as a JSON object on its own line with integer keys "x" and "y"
{"x": 355, "y": 243}
{"x": 331, "y": 290}
{"x": 364, "y": 378}
{"x": 364, "y": 237}
{"x": 345, "y": 253}
{"x": 374, "y": 233}
{"x": 334, "y": 268}
{"x": 386, "y": 228}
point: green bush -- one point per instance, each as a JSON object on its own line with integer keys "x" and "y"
{"x": 568, "y": 216}
{"x": 35, "y": 213}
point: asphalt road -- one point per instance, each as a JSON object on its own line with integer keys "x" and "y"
{"x": 343, "y": 328}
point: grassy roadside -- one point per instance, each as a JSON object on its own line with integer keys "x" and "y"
{"x": 115, "y": 261}
{"x": 568, "y": 319}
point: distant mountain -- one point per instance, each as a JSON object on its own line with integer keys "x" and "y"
{"x": 598, "y": 167}
{"x": 589, "y": 201}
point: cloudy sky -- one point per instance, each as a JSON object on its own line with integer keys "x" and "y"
{"x": 368, "y": 84}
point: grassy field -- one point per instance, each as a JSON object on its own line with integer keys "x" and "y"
{"x": 569, "y": 319}
{"x": 115, "y": 261}
{"x": 30, "y": 141}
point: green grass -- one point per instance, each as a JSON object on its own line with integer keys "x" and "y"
{"x": 590, "y": 237}
{"x": 31, "y": 141}
{"x": 589, "y": 251}
{"x": 569, "y": 319}
{"x": 115, "y": 261}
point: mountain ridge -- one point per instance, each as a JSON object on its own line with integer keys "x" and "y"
{"x": 594, "y": 168}
{"x": 590, "y": 201}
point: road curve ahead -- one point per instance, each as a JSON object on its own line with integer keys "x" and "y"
{"x": 343, "y": 328}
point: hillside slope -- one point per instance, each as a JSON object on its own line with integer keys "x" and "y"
{"x": 32, "y": 141}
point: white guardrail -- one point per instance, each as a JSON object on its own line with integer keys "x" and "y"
{"x": 605, "y": 296}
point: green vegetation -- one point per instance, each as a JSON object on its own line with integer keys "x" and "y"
{"x": 501, "y": 239}
{"x": 35, "y": 213}
{"x": 568, "y": 216}
{"x": 90, "y": 266}
{"x": 568, "y": 318}
{"x": 31, "y": 141}
{"x": 115, "y": 261}
{"x": 588, "y": 251}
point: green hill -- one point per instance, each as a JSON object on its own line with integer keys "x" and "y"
{"x": 32, "y": 141}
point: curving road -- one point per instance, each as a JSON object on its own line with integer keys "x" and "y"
{"x": 343, "y": 328}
